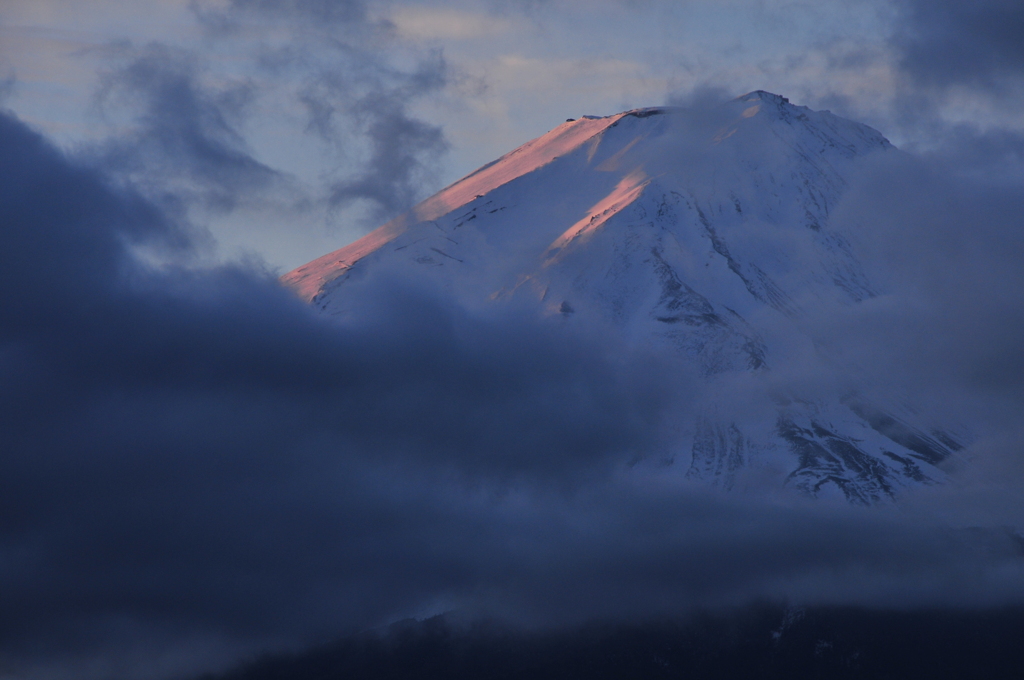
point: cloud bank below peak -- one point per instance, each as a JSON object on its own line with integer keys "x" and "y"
{"x": 193, "y": 455}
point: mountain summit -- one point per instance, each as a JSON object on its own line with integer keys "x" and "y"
{"x": 702, "y": 233}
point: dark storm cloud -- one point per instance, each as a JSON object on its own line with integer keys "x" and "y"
{"x": 195, "y": 457}
{"x": 946, "y": 42}
{"x": 187, "y": 133}
{"x": 196, "y": 450}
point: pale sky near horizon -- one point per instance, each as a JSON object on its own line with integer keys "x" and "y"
{"x": 473, "y": 79}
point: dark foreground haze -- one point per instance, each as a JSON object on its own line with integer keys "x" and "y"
{"x": 755, "y": 642}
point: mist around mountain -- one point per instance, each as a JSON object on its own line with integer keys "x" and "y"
{"x": 199, "y": 467}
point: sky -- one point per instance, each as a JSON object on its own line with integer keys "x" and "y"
{"x": 197, "y": 468}
{"x": 295, "y": 127}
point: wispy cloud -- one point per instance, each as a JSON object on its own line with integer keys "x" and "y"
{"x": 184, "y": 134}
{"x": 332, "y": 57}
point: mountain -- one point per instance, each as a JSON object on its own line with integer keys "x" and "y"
{"x": 705, "y": 234}
{"x": 760, "y": 641}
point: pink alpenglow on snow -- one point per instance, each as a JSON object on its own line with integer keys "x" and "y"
{"x": 309, "y": 279}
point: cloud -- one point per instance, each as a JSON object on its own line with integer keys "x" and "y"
{"x": 403, "y": 150}
{"x": 196, "y": 445}
{"x": 702, "y": 97}
{"x": 423, "y": 23}
{"x": 223, "y": 18}
{"x": 953, "y": 43}
{"x": 942, "y": 230}
{"x": 195, "y": 461}
{"x": 7, "y": 86}
{"x": 184, "y": 132}
{"x": 337, "y": 60}
{"x": 197, "y": 468}
{"x": 321, "y": 11}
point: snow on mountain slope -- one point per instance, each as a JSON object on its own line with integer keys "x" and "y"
{"x": 700, "y": 233}
{"x": 309, "y": 279}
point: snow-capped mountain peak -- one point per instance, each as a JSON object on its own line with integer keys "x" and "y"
{"x": 700, "y": 232}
